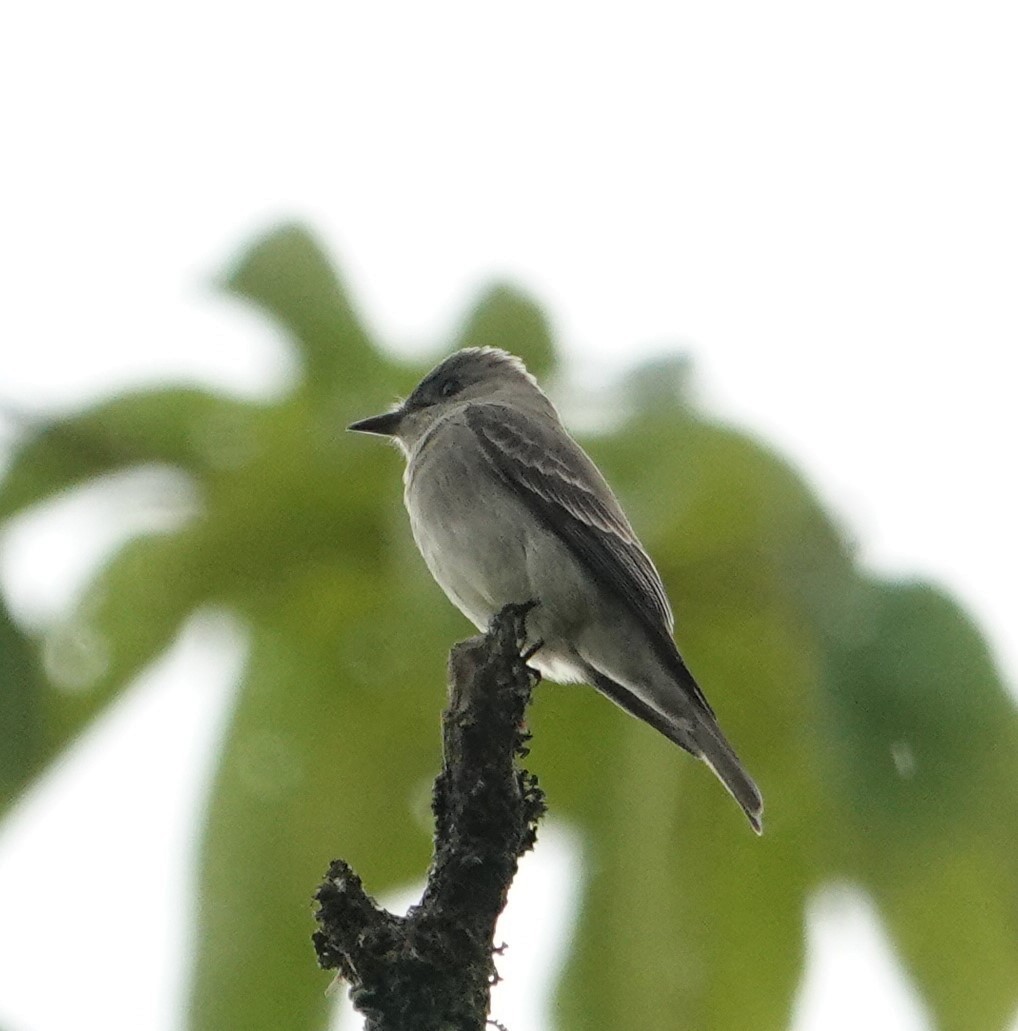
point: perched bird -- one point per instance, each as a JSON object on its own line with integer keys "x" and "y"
{"x": 506, "y": 507}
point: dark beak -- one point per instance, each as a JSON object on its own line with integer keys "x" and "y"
{"x": 384, "y": 425}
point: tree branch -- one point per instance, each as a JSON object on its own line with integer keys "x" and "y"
{"x": 433, "y": 969}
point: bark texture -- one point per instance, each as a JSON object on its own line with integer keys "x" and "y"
{"x": 433, "y": 969}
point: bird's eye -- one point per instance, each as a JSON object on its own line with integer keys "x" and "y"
{"x": 449, "y": 387}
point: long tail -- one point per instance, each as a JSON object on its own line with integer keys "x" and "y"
{"x": 705, "y": 741}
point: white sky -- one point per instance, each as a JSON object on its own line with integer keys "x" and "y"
{"x": 816, "y": 200}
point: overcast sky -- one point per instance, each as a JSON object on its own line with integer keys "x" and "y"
{"x": 816, "y": 201}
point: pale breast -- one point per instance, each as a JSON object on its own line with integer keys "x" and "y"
{"x": 465, "y": 524}
{"x": 486, "y": 549}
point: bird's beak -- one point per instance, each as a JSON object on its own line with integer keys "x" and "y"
{"x": 385, "y": 425}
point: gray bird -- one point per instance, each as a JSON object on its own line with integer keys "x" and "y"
{"x": 506, "y": 507}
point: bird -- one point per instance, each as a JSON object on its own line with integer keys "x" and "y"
{"x": 506, "y": 507}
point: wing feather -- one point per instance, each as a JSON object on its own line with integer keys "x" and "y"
{"x": 564, "y": 488}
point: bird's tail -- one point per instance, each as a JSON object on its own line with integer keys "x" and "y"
{"x": 719, "y": 755}
{"x": 695, "y": 728}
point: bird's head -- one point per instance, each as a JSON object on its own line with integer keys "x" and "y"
{"x": 473, "y": 374}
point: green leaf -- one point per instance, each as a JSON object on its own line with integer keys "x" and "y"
{"x": 288, "y": 275}
{"x": 923, "y": 722}
{"x": 22, "y": 708}
{"x": 332, "y": 751}
{"x": 191, "y": 429}
{"x": 927, "y": 746}
{"x": 128, "y": 616}
{"x": 507, "y": 318}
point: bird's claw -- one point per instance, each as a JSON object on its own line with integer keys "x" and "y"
{"x": 532, "y": 651}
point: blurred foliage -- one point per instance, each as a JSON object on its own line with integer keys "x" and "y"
{"x": 870, "y": 712}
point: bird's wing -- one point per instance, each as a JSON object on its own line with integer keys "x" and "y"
{"x": 553, "y": 476}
